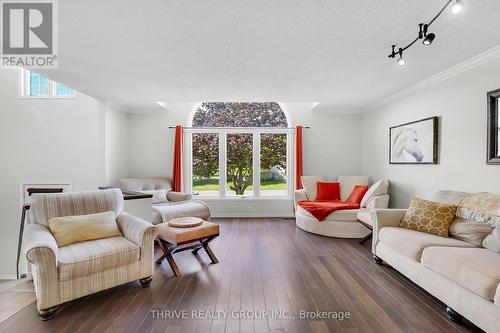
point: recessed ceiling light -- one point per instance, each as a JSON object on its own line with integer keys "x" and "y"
{"x": 162, "y": 104}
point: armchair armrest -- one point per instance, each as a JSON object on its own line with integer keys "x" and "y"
{"x": 178, "y": 196}
{"x": 385, "y": 218}
{"x": 379, "y": 201}
{"x": 299, "y": 195}
{"x": 40, "y": 244}
{"x": 143, "y": 234}
{"x": 137, "y": 230}
{"x": 42, "y": 252}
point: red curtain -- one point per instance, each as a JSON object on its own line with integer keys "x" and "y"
{"x": 177, "y": 170}
{"x": 298, "y": 157}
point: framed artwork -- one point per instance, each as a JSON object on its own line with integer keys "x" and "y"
{"x": 493, "y": 146}
{"x": 415, "y": 142}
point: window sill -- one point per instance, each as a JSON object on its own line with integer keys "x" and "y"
{"x": 240, "y": 199}
{"x": 47, "y": 97}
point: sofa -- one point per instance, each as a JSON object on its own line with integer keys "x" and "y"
{"x": 341, "y": 223}
{"x": 167, "y": 204}
{"x": 61, "y": 274}
{"x": 457, "y": 270}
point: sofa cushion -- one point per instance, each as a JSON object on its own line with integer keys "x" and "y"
{"x": 158, "y": 195}
{"x": 328, "y": 191}
{"x": 450, "y": 197}
{"x": 492, "y": 241}
{"x": 309, "y": 183}
{"x": 347, "y": 184}
{"x": 378, "y": 188}
{"x": 357, "y": 194}
{"x": 411, "y": 243}
{"x": 344, "y": 215}
{"x": 475, "y": 269}
{"x": 469, "y": 231}
{"x": 429, "y": 216}
{"x": 131, "y": 184}
{"x": 73, "y": 229}
{"x": 86, "y": 258}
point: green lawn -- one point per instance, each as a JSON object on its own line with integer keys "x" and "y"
{"x": 212, "y": 184}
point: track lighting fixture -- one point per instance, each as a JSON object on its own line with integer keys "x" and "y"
{"x": 427, "y": 38}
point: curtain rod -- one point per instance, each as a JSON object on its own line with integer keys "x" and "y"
{"x": 186, "y": 127}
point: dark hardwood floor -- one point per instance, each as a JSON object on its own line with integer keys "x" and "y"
{"x": 266, "y": 265}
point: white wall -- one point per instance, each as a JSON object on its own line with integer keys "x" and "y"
{"x": 332, "y": 147}
{"x": 50, "y": 140}
{"x": 460, "y": 102}
{"x": 115, "y": 151}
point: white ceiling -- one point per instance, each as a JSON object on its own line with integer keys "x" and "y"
{"x": 334, "y": 52}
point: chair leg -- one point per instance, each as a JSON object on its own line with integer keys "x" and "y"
{"x": 47, "y": 314}
{"x": 145, "y": 282}
{"x": 454, "y": 315}
{"x": 377, "y": 260}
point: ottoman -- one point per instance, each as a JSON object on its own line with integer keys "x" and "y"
{"x": 174, "y": 239}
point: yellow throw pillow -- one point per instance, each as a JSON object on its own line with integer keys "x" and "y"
{"x": 72, "y": 229}
{"x": 429, "y": 216}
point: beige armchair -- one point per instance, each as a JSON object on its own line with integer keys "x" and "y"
{"x": 61, "y": 274}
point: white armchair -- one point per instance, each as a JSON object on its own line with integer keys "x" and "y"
{"x": 174, "y": 204}
{"x": 61, "y": 274}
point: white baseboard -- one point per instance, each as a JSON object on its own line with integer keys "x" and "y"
{"x": 8, "y": 277}
{"x": 254, "y": 215}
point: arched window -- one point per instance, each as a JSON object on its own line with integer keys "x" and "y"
{"x": 239, "y": 149}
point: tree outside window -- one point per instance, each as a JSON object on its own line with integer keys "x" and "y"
{"x": 227, "y": 119}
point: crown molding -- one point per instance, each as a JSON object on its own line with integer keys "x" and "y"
{"x": 440, "y": 77}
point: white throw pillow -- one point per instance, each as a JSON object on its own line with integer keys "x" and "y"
{"x": 310, "y": 185}
{"x": 378, "y": 188}
{"x": 158, "y": 195}
{"x": 492, "y": 241}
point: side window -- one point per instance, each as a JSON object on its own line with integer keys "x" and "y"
{"x": 37, "y": 85}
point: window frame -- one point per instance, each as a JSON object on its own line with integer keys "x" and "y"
{"x": 52, "y": 89}
{"x": 223, "y": 132}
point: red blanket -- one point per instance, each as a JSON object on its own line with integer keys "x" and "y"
{"x": 321, "y": 209}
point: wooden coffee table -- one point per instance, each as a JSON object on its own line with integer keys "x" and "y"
{"x": 174, "y": 239}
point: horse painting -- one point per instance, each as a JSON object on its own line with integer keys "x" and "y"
{"x": 405, "y": 145}
{"x": 415, "y": 142}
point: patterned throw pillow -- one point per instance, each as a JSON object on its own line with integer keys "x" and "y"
{"x": 429, "y": 216}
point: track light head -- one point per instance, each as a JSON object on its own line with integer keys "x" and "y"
{"x": 401, "y": 60}
{"x": 429, "y": 39}
{"x": 457, "y": 7}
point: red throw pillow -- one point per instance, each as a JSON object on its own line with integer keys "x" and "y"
{"x": 357, "y": 194}
{"x": 328, "y": 191}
